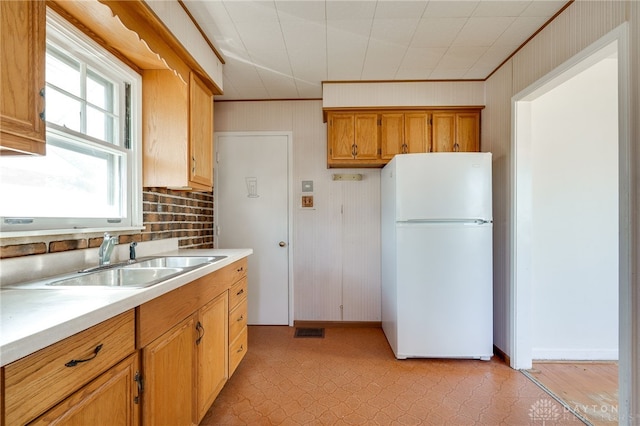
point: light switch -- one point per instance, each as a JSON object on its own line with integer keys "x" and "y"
{"x": 307, "y": 186}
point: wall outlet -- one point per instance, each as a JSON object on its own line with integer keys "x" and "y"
{"x": 307, "y": 201}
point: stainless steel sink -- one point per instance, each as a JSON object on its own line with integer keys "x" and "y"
{"x": 119, "y": 277}
{"x": 143, "y": 273}
{"x": 174, "y": 262}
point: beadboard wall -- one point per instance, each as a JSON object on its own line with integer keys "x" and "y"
{"x": 577, "y": 27}
{"x": 404, "y": 94}
{"x": 336, "y": 246}
{"x": 187, "y": 216}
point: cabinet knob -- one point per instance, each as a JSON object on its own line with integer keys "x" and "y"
{"x": 282, "y": 244}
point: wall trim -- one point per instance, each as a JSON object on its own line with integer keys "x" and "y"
{"x": 327, "y": 324}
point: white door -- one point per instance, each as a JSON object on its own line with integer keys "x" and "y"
{"x": 252, "y": 211}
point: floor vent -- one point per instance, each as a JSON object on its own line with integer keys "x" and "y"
{"x": 309, "y": 332}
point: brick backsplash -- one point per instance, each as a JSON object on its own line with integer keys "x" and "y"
{"x": 185, "y": 215}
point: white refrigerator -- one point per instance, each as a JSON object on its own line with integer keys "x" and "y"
{"x": 437, "y": 267}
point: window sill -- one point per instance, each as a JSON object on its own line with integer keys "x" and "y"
{"x": 5, "y": 235}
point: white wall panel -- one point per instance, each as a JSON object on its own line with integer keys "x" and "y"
{"x": 179, "y": 23}
{"x": 582, "y": 23}
{"x": 326, "y": 240}
{"x": 496, "y": 138}
{"x": 427, "y": 93}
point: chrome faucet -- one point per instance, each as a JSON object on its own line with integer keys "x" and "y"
{"x": 104, "y": 253}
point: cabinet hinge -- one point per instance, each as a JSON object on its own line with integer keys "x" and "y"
{"x": 431, "y": 122}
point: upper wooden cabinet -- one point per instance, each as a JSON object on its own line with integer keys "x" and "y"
{"x": 22, "y": 43}
{"x": 200, "y": 133}
{"x": 353, "y": 139}
{"x": 177, "y": 131}
{"x": 404, "y": 133}
{"x": 456, "y": 131}
{"x": 371, "y": 138}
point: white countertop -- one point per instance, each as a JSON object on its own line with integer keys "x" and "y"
{"x": 33, "y": 319}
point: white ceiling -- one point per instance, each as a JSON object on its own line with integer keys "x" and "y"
{"x": 285, "y": 49}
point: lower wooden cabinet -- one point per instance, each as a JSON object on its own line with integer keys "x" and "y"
{"x": 111, "y": 399}
{"x": 189, "y": 341}
{"x": 49, "y": 377}
{"x": 186, "y": 346}
{"x": 169, "y": 376}
{"x": 211, "y": 352}
{"x": 238, "y": 335}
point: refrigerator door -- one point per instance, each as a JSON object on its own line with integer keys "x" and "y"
{"x": 446, "y": 186}
{"x": 444, "y": 291}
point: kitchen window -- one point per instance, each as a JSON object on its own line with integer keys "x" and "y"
{"x": 90, "y": 178}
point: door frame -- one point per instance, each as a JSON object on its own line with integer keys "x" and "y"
{"x": 289, "y": 136}
{"x": 520, "y": 261}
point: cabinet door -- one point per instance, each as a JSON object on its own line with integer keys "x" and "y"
{"x": 467, "y": 132}
{"x": 341, "y": 128}
{"x": 366, "y": 139}
{"x": 200, "y": 133}
{"x": 212, "y": 352}
{"x": 444, "y": 131}
{"x": 111, "y": 399}
{"x": 22, "y": 41}
{"x": 417, "y": 132}
{"x": 392, "y": 135}
{"x": 168, "y": 361}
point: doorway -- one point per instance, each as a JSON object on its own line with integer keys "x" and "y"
{"x": 252, "y": 210}
{"x": 526, "y": 178}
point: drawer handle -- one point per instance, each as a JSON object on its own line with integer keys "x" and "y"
{"x": 241, "y": 349}
{"x": 75, "y": 362}
{"x": 240, "y": 292}
{"x": 240, "y": 269}
{"x": 241, "y": 318}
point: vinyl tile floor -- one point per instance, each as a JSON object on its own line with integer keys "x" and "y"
{"x": 350, "y": 377}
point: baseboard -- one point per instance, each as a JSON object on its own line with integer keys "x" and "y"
{"x": 542, "y": 354}
{"x": 502, "y": 355}
{"x": 327, "y": 324}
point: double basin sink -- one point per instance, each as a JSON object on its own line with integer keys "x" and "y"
{"x": 141, "y": 273}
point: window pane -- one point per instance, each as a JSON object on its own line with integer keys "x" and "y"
{"x": 100, "y": 125}
{"x": 63, "y": 72}
{"x": 70, "y": 181}
{"x": 63, "y": 110}
{"x": 99, "y": 91}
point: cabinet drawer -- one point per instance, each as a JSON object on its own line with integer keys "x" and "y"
{"x": 237, "y": 292}
{"x": 237, "y": 350}
{"x": 37, "y": 382}
{"x": 237, "y": 270}
{"x": 237, "y": 319}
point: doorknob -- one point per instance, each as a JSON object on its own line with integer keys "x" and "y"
{"x": 282, "y": 244}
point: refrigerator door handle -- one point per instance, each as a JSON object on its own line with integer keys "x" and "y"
{"x": 474, "y": 221}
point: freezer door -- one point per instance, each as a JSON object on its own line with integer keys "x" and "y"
{"x": 443, "y": 186}
{"x": 444, "y": 291}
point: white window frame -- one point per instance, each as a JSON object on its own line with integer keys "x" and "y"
{"x": 64, "y": 35}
